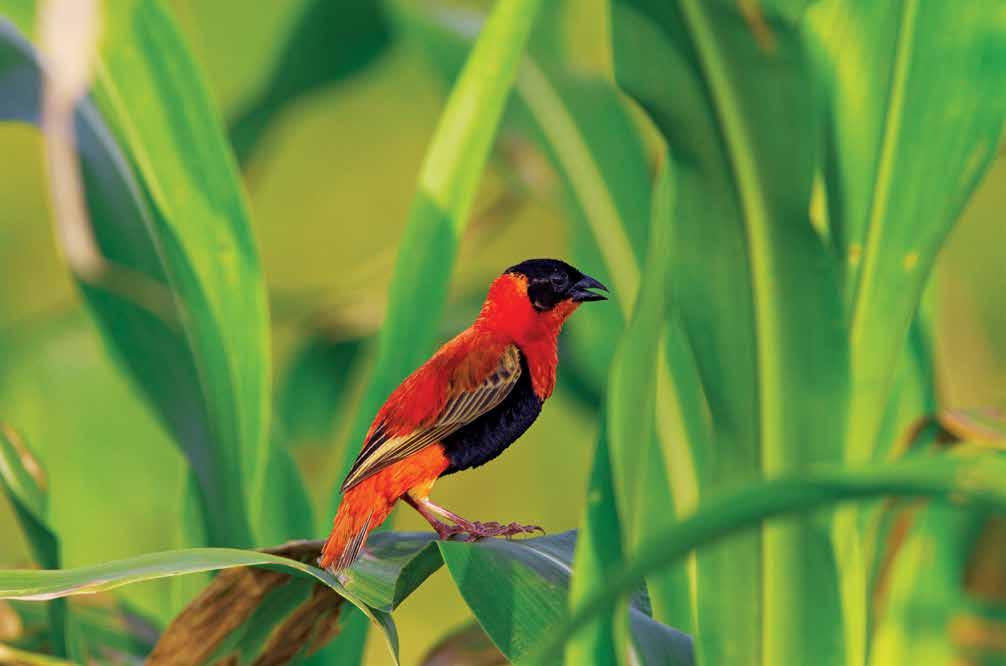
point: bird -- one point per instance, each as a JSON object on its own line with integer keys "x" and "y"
{"x": 462, "y": 408}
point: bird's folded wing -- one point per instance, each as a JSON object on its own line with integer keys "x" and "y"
{"x": 383, "y": 449}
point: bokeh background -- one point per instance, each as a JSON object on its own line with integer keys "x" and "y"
{"x": 330, "y": 183}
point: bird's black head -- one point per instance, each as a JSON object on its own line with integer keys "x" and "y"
{"x": 550, "y": 281}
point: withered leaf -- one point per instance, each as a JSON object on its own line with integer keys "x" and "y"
{"x": 254, "y": 615}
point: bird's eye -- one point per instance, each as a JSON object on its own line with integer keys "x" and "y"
{"x": 559, "y": 282}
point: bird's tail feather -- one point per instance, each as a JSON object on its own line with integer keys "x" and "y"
{"x": 361, "y": 510}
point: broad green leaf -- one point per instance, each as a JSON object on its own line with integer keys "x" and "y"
{"x": 974, "y": 479}
{"x": 329, "y": 42}
{"x": 392, "y": 566}
{"x": 53, "y": 584}
{"x": 916, "y": 108}
{"x": 757, "y": 293}
{"x": 447, "y": 183}
{"x": 518, "y": 589}
{"x": 152, "y": 137}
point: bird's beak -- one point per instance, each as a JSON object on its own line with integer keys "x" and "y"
{"x": 581, "y": 291}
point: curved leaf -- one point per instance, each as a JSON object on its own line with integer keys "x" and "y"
{"x": 165, "y": 202}
{"x": 53, "y": 584}
{"x": 730, "y": 87}
{"x": 518, "y": 590}
{"x": 916, "y": 111}
{"x": 22, "y": 480}
{"x": 979, "y": 480}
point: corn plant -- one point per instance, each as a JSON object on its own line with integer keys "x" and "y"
{"x": 765, "y": 186}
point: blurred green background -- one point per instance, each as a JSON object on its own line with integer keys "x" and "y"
{"x": 330, "y": 186}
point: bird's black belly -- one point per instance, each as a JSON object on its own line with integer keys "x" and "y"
{"x": 489, "y": 435}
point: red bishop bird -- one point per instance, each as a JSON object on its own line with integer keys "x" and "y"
{"x": 462, "y": 408}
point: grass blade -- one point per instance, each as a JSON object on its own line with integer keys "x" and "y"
{"x": 22, "y": 480}
{"x": 598, "y": 549}
{"x": 209, "y": 379}
{"x": 54, "y": 584}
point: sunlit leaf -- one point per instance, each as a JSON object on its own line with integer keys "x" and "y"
{"x": 916, "y": 108}
{"x": 756, "y": 290}
{"x": 209, "y": 377}
{"x": 52, "y": 584}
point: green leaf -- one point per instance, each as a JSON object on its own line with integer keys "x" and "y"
{"x": 165, "y": 203}
{"x": 518, "y": 589}
{"x": 916, "y": 109}
{"x": 974, "y": 479}
{"x": 598, "y": 549}
{"x": 633, "y": 381}
{"x": 22, "y": 480}
{"x": 719, "y": 81}
{"x": 392, "y": 566}
{"x": 52, "y": 584}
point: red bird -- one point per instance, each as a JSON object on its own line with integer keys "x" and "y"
{"x": 462, "y": 408}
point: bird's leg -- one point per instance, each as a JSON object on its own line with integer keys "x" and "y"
{"x": 474, "y": 529}
{"x": 443, "y": 531}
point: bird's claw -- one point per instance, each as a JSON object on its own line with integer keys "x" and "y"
{"x": 475, "y": 531}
